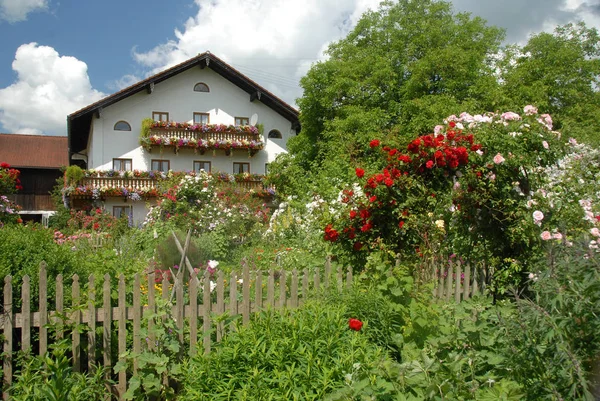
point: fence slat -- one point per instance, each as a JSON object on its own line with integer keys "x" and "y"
{"x": 220, "y": 303}
{"x": 233, "y": 304}
{"x": 294, "y": 289}
{"x": 340, "y": 278}
{"x": 8, "y": 336}
{"x": 106, "y": 325}
{"x": 245, "y": 293}
{"x": 258, "y": 291}
{"x": 475, "y": 288}
{"x": 271, "y": 289}
{"x": 206, "y": 304}
{"x": 317, "y": 281}
{"x": 122, "y": 316}
{"x": 282, "y": 289}
{"x": 91, "y": 334}
{"x": 137, "y": 320}
{"x": 327, "y": 272}
{"x": 43, "y": 304}
{"x": 449, "y": 281}
{"x": 151, "y": 309}
{"x": 466, "y": 294}
{"x": 75, "y": 335}
{"x": 60, "y": 306}
{"x": 304, "y": 286}
{"x": 349, "y": 278}
{"x": 179, "y": 304}
{"x": 194, "y": 312}
{"x": 457, "y": 291}
{"x": 26, "y": 313}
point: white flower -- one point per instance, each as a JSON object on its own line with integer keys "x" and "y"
{"x": 538, "y": 216}
{"x": 545, "y": 145}
{"x": 440, "y": 224}
{"x": 213, "y": 264}
{"x": 595, "y": 232}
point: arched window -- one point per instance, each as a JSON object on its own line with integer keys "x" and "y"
{"x": 201, "y": 87}
{"x": 274, "y": 134}
{"x": 122, "y": 126}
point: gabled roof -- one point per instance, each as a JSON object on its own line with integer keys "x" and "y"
{"x": 34, "y": 151}
{"x": 78, "y": 123}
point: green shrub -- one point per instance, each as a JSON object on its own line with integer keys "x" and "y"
{"x": 300, "y": 354}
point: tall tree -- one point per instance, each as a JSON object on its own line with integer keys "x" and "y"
{"x": 559, "y": 73}
{"x": 397, "y": 74}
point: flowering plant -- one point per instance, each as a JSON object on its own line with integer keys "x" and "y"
{"x": 355, "y": 324}
{"x": 465, "y": 186}
{"x": 9, "y": 179}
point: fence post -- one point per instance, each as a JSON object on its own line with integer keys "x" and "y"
{"x": 91, "y": 322}
{"x": 151, "y": 309}
{"x": 466, "y": 294}
{"x": 233, "y": 303}
{"x": 304, "y": 286}
{"x": 8, "y": 336}
{"x": 349, "y": 278}
{"x": 122, "y": 385}
{"x": 76, "y": 337}
{"x": 282, "y": 290}
{"x": 327, "y": 271}
{"x": 271, "y": 289}
{"x": 137, "y": 319}
{"x": 206, "y": 305}
{"x": 245, "y": 292}
{"x": 457, "y": 290}
{"x": 258, "y": 292}
{"x": 26, "y": 314}
{"x": 294, "y": 290}
{"x": 60, "y": 299}
{"x": 220, "y": 302}
{"x": 43, "y": 303}
{"x": 106, "y": 325}
{"x": 193, "y": 312}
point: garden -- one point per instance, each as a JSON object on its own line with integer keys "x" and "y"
{"x": 400, "y": 191}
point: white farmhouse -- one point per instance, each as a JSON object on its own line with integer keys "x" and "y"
{"x": 206, "y": 115}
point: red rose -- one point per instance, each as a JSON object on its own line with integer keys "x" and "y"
{"x": 355, "y": 324}
{"x": 389, "y": 182}
{"x": 360, "y": 173}
{"x": 357, "y": 246}
{"x": 401, "y": 224}
{"x": 452, "y": 124}
{"x": 374, "y": 143}
{"x": 96, "y": 226}
{"x": 372, "y": 198}
{"x": 366, "y": 227}
{"x": 429, "y": 164}
{"x": 379, "y": 177}
{"x": 352, "y": 214}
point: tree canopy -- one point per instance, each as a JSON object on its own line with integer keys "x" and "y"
{"x": 410, "y": 64}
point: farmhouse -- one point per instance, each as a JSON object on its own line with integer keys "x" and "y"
{"x": 201, "y": 114}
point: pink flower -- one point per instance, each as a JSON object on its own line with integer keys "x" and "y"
{"x": 538, "y": 216}
{"x": 557, "y": 236}
{"x": 530, "y": 110}
{"x": 498, "y": 159}
{"x": 545, "y": 145}
{"x": 595, "y": 232}
{"x": 546, "y": 235}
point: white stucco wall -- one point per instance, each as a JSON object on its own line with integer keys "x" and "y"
{"x": 176, "y": 96}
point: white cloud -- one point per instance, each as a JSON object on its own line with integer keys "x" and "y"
{"x": 274, "y": 42}
{"x": 48, "y": 88}
{"x": 17, "y": 10}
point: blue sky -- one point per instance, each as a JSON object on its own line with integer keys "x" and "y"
{"x": 60, "y": 55}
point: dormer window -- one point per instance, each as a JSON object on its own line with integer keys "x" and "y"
{"x": 122, "y": 126}
{"x": 274, "y": 134}
{"x": 201, "y": 87}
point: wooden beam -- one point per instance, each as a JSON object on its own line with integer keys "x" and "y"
{"x": 150, "y": 88}
{"x": 99, "y": 112}
{"x": 255, "y": 95}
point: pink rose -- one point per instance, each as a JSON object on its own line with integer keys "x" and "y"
{"x": 546, "y": 235}
{"x": 498, "y": 159}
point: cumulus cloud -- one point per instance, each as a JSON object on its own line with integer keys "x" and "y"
{"x": 48, "y": 88}
{"x": 272, "y": 41}
{"x": 17, "y": 10}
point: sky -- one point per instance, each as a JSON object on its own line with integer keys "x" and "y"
{"x": 57, "y": 56}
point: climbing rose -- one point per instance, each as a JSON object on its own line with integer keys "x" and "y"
{"x": 360, "y": 173}
{"x": 355, "y": 324}
{"x": 498, "y": 159}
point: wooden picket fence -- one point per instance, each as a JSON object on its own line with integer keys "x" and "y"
{"x": 283, "y": 289}
{"x": 460, "y": 281}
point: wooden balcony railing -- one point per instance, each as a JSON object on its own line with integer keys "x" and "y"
{"x": 33, "y": 202}
{"x": 136, "y": 184}
{"x": 218, "y": 136}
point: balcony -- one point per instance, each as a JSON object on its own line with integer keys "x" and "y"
{"x": 138, "y": 185}
{"x": 201, "y": 137}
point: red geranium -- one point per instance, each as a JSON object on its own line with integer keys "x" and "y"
{"x": 355, "y": 324}
{"x": 374, "y": 143}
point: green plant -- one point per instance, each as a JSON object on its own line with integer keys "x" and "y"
{"x": 159, "y": 362}
{"x": 301, "y": 354}
{"x": 145, "y": 130}
{"x": 73, "y": 175}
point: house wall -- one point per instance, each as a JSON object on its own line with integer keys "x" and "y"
{"x": 224, "y": 102}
